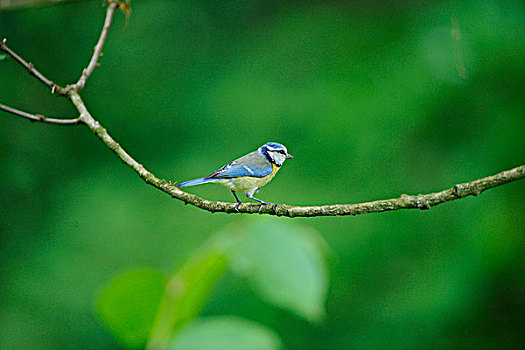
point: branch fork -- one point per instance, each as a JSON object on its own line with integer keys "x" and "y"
{"x": 55, "y": 88}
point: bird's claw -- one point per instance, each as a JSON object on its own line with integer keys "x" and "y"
{"x": 236, "y": 207}
{"x": 262, "y": 205}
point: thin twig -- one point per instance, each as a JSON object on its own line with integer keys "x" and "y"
{"x": 39, "y": 117}
{"x": 7, "y": 5}
{"x": 97, "y": 51}
{"x": 56, "y": 89}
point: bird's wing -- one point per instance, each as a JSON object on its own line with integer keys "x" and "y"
{"x": 252, "y": 164}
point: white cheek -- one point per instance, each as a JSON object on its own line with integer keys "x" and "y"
{"x": 279, "y": 158}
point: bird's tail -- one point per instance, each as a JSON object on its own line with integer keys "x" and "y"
{"x": 195, "y": 182}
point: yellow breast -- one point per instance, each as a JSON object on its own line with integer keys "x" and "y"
{"x": 247, "y": 183}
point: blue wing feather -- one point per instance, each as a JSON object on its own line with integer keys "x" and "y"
{"x": 252, "y": 165}
{"x": 243, "y": 170}
{"x": 194, "y": 182}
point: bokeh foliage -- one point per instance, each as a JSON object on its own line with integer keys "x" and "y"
{"x": 373, "y": 99}
{"x": 142, "y": 307}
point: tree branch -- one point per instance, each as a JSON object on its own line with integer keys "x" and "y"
{"x": 422, "y": 201}
{"x": 97, "y": 51}
{"x": 39, "y": 117}
{"x": 55, "y": 89}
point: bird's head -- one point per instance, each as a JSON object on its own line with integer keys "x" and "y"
{"x": 275, "y": 153}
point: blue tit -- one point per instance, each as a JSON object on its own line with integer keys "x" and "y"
{"x": 248, "y": 173}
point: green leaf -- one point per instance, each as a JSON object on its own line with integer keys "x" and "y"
{"x": 232, "y": 333}
{"x": 128, "y": 305}
{"x": 197, "y": 279}
{"x": 3, "y": 57}
{"x": 285, "y": 265}
{"x": 186, "y": 292}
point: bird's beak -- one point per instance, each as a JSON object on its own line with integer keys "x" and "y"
{"x": 289, "y": 156}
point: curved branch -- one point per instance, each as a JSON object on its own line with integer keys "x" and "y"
{"x": 422, "y": 201}
{"x": 39, "y": 117}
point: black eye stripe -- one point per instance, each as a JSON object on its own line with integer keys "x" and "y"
{"x": 277, "y": 151}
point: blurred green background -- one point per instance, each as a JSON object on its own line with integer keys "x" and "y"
{"x": 374, "y": 99}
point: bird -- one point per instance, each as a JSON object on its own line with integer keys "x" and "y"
{"x": 248, "y": 173}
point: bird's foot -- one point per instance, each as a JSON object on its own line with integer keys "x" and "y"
{"x": 262, "y": 205}
{"x": 236, "y": 207}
